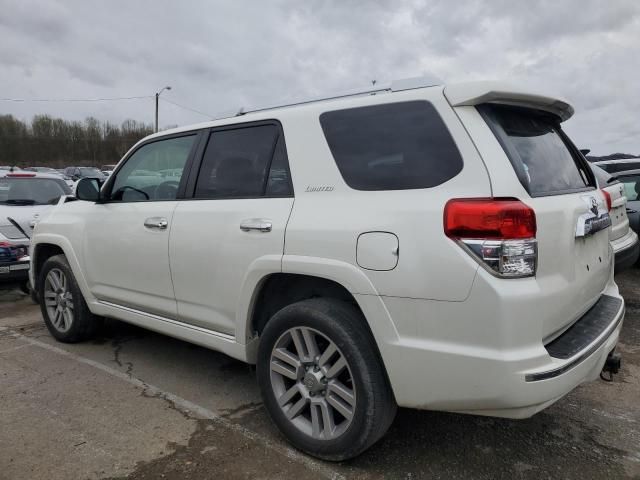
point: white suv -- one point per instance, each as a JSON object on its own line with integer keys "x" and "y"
{"x": 427, "y": 246}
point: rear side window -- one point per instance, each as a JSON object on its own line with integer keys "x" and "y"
{"x": 395, "y": 146}
{"x": 542, "y": 156}
{"x": 246, "y": 162}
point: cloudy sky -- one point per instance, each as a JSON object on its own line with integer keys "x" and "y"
{"x": 220, "y": 56}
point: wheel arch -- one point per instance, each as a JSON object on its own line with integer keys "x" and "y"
{"x": 45, "y": 247}
{"x": 304, "y": 277}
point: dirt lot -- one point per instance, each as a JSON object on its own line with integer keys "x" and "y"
{"x": 140, "y": 405}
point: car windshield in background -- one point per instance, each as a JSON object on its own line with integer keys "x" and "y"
{"x": 90, "y": 172}
{"x": 31, "y": 191}
{"x": 538, "y": 150}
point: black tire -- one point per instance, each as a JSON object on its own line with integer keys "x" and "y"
{"x": 24, "y": 287}
{"x": 84, "y": 324}
{"x": 33, "y": 292}
{"x": 343, "y": 325}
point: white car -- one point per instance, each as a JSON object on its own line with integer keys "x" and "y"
{"x": 624, "y": 240}
{"x": 420, "y": 245}
{"x": 619, "y": 165}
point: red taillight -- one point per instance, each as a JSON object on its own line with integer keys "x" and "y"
{"x": 607, "y": 198}
{"x": 14, "y": 175}
{"x": 489, "y": 218}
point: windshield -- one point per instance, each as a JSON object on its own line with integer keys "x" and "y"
{"x": 31, "y": 191}
{"x": 541, "y": 154}
{"x": 90, "y": 172}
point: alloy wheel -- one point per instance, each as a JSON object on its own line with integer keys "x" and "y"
{"x": 58, "y": 300}
{"x": 312, "y": 383}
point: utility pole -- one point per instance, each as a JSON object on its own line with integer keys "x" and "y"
{"x": 157, "y": 97}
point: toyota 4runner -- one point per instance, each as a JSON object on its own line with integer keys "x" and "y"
{"x": 417, "y": 245}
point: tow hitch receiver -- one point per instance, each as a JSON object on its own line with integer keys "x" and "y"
{"x": 611, "y": 366}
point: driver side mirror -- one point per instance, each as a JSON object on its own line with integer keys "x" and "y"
{"x": 88, "y": 189}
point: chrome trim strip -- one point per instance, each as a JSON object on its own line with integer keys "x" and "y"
{"x": 536, "y": 377}
{"x": 223, "y": 336}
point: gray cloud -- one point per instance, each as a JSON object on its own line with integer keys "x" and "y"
{"x": 220, "y": 56}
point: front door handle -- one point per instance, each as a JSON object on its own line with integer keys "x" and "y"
{"x": 156, "y": 223}
{"x": 257, "y": 224}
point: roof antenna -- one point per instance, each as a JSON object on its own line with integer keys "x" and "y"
{"x": 373, "y": 82}
{"x": 240, "y": 112}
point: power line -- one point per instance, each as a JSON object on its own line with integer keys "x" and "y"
{"x": 64, "y": 100}
{"x": 187, "y": 108}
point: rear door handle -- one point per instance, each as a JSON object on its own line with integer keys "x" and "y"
{"x": 156, "y": 223}
{"x": 257, "y": 224}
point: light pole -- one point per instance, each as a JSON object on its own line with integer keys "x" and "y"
{"x": 157, "y": 97}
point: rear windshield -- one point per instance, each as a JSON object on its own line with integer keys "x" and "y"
{"x": 31, "y": 191}
{"x": 542, "y": 156}
{"x": 395, "y": 146}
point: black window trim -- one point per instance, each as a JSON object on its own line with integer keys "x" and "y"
{"x": 195, "y": 167}
{"x": 106, "y": 188}
{"x": 581, "y": 162}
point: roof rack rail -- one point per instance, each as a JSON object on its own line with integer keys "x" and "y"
{"x": 395, "y": 86}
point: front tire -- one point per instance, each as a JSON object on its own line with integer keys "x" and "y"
{"x": 322, "y": 379}
{"x": 63, "y": 307}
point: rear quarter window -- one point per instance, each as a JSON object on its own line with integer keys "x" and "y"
{"x": 395, "y": 146}
{"x": 542, "y": 156}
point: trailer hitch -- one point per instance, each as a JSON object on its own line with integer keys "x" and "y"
{"x": 611, "y": 366}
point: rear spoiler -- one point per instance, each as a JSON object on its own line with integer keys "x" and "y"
{"x": 476, "y": 93}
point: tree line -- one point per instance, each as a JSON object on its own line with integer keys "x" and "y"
{"x": 55, "y": 142}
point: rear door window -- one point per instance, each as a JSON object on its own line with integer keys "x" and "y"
{"x": 395, "y": 146}
{"x": 541, "y": 154}
{"x": 246, "y": 162}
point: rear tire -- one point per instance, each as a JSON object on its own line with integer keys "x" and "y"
{"x": 63, "y": 307}
{"x": 322, "y": 379}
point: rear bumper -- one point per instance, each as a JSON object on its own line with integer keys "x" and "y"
{"x": 14, "y": 272}
{"x": 476, "y": 360}
{"x": 627, "y": 251}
